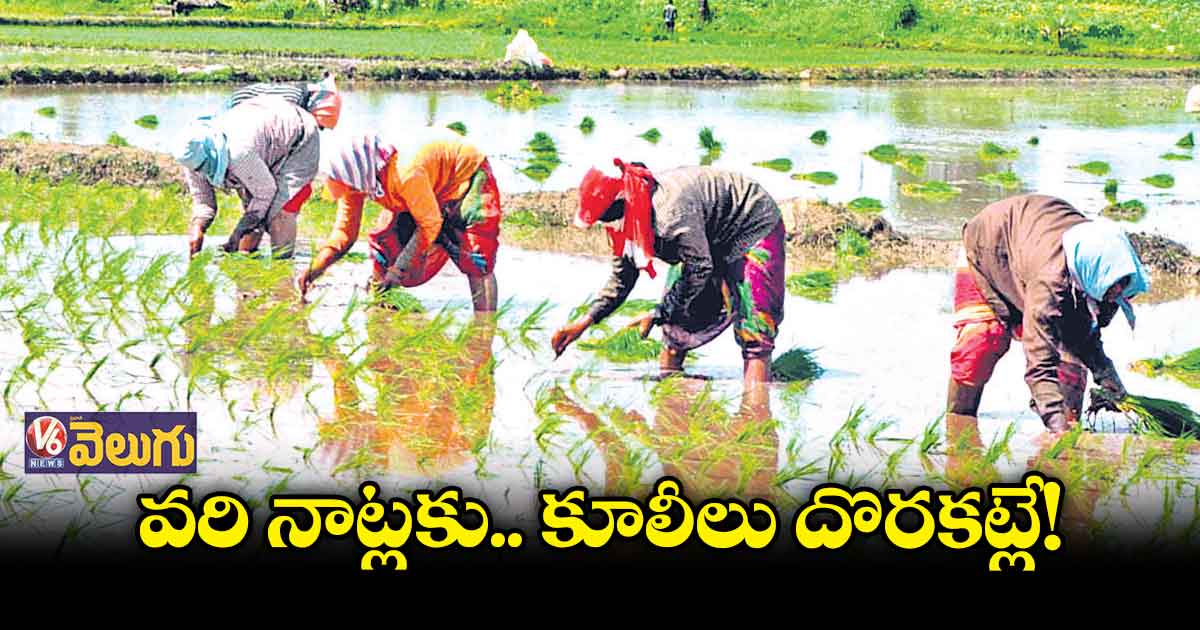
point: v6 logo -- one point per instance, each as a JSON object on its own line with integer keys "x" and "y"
{"x": 46, "y": 437}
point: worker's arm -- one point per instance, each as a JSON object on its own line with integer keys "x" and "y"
{"x": 204, "y": 209}
{"x": 256, "y": 177}
{"x": 620, "y": 284}
{"x": 692, "y": 242}
{"x": 345, "y": 228}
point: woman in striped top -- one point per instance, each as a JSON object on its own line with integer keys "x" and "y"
{"x": 442, "y": 206}
{"x": 320, "y": 99}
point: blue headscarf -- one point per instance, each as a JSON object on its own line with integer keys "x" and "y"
{"x": 1099, "y": 255}
{"x": 202, "y": 147}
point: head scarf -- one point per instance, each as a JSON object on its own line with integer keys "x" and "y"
{"x": 357, "y": 162}
{"x": 325, "y": 103}
{"x": 1099, "y": 255}
{"x": 633, "y": 236}
{"x": 203, "y": 148}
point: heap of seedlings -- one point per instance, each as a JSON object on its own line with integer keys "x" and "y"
{"x": 544, "y": 157}
{"x": 820, "y": 178}
{"x": 932, "y": 190}
{"x": 520, "y": 95}
{"x": 816, "y": 285}
{"x": 47, "y": 112}
{"x": 1095, "y": 167}
{"x": 1162, "y": 180}
{"x": 782, "y": 165}
{"x": 587, "y": 125}
{"x": 889, "y": 154}
{"x": 1156, "y": 416}
{"x": 1131, "y": 210}
{"x": 865, "y": 205}
{"x": 794, "y": 365}
{"x": 623, "y": 346}
{"x": 116, "y": 140}
{"x": 991, "y": 151}
{"x": 1007, "y": 180}
{"x": 1179, "y": 157}
{"x": 149, "y": 121}
{"x": 1187, "y": 141}
{"x": 651, "y": 135}
{"x": 819, "y": 137}
{"x": 458, "y": 127}
{"x": 711, "y": 146}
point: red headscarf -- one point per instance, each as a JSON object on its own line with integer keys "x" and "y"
{"x": 635, "y": 236}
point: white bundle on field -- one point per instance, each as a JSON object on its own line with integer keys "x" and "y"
{"x": 524, "y": 49}
{"x": 1192, "y": 104}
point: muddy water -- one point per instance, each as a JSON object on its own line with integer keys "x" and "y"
{"x": 1128, "y": 124}
{"x": 884, "y": 344}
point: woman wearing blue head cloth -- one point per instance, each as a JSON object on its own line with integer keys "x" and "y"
{"x": 266, "y": 149}
{"x": 1036, "y": 269}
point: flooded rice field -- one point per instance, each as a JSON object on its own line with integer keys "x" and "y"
{"x": 297, "y": 398}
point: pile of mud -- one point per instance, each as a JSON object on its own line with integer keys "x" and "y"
{"x": 121, "y": 166}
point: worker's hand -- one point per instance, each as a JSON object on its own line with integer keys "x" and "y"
{"x": 643, "y": 324}
{"x": 392, "y": 278}
{"x": 301, "y": 284}
{"x": 567, "y": 335}
{"x": 1111, "y": 382}
{"x": 195, "y": 240}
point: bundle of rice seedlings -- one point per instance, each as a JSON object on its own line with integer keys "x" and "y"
{"x": 1187, "y": 141}
{"x": 1034, "y": 141}
{"x": 1110, "y": 187}
{"x": 21, "y": 136}
{"x": 457, "y": 127}
{"x": 625, "y": 346}
{"x": 1155, "y": 415}
{"x": 1161, "y": 180}
{"x": 48, "y": 112}
{"x": 1185, "y": 367}
{"x": 913, "y": 163}
{"x": 116, "y": 140}
{"x": 886, "y": 153}
{"x": 782, "y": 165}
{"x": 652, "y": 135}
{"x": 1095, "y": 167}
{"x": 819, "y": 136}
{"x": 1181, "y": 157}
{"x": 708, "y": 141}
{"x": 821, "y": 178}
{"x": 865, "y": 205}
{"x": 933, "y": 190}
{"x": 993, "y": 151}
{"x": 1005, "y": 179}
{"x": 399, "y": 300}
{"x": 815, "y": 285}
{"x": 587, "y": 125}
{"x": 520, "y": 95}
{"x": 545, "y": 157}
{"x": 796, "y": 364}
{"x": 149, "y": 121}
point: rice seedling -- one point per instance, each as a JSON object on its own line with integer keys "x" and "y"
{"x": 1155, "y": 415}
{"x": 999, "y": 446}
{"x": 1007, "y": 180}
{"x": 520, "y": 95}
{"x": 782, "y": 165}
{"x": 819, "y": 137}
{"x": 587, "y": 125}
{"x": 821, "y": 178}
{"x": 1162, "y": 180}
{"x": 651, "y": 135}
{"x": 625, "y": 346}
{"x": 1179, "y": 157}
{"x": 877, "y": 429}
{"x": 1184, "y": 367}
{"x": 1110, "y": 187}
{"x": 886, "y": 153}
{"x": 50, "y": 112}
{"x": 545, "y": 157}
{"x": 891, "y": 467}
{"x": 1095, "y": 167}
{"x": 1034, "y": 141}
{"x": 865, "y": 205}
{"x": 816, "y": 285}
{"x": 458, "y": 127}
{"x": 851, "y": 246}
{"x": 1187, "y": 141}
{"x": 708, "y": 141}
{"x": 848, "y": 432}
{"x": 932, "y": 190}
{"x": 931, "y": 436}
{"x": 21, "y": 136}
{"x": 116, "y": 140}
{"x": 992, "y": 151}
{"x": 149, "y": 121}
{"x": 796, "y": 364}
{"x": 1131, "y": 210}
{"x": 913, "y": 163}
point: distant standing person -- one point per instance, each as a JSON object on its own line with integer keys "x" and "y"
{"x": 669, "y": 14}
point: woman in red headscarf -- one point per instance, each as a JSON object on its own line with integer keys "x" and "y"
{"x": 724, "y": 234}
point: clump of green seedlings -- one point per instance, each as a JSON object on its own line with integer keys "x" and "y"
{"x": 587, "y": 125}
{"x": 1184, "y": 367}
{"x": 992, "y": 151}
{"x": 1131, "y": 210}
{"x": 852, "y": 245}
{"x": 819, "y": 137}
{"x": 1007, "y": 180}
{"x": 1187, "y": 141}
{"x": 624, "y": 346}
{"x": 932, "y": 190}
{"x": 1155, "y": 415}
{"x": 865, "y": 205}
{"x": 21, "y": 136}
{"x": 886, "y": 153}
{"x": 1095, "y": 167}
{"x": 1110, "y": 187}
{"x": 1178, "y": 157}
{"x": 651, "y": 135}
{"x": 48, "y": 112}
{"x": 458, "y": 127}
{"x": 712, "y": 147}
{"x": 816, "y": 285}
{"x": 796, "y": 364}
{"x": 399, "y": 300}
{"x": 117, "y": 140}
{"x": 782, "y": 165}
{"x": 1034, "y": 141}
{"x": 149, "y": 121}
{"x": 913, "y": 163}
{"x": 545, "y": 157}
{"x": 520, "y": 95}
{"x": 821, "y": 178}
{"x": 1162, "y": 180}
